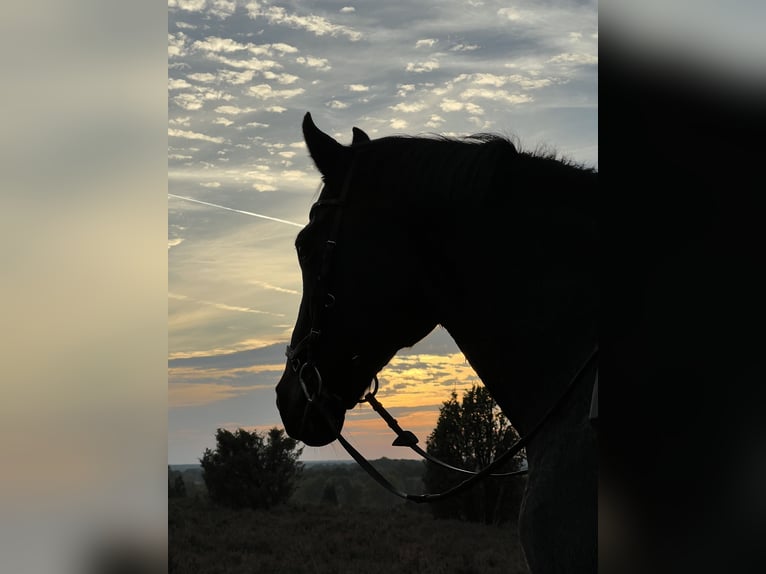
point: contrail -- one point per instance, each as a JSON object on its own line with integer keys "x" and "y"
{"x": 237, "y": 210}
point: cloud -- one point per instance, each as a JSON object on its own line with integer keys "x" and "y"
{"x": 317, "y": 25}
{"x": 409, "y": 108}
{"x": 216, "y": 44}
{"x": 357, "y": 88}
{"x": 233, "y": 110}
{"x": 222, "y": 8}
{"x": 256, "y": 64}
{"x": 188, "y": 5}
{"x": 347, "y": 10}
{"x": 281, "y": 78}
{"x": 426, "y": 43}
{"x": 178, "y": 84}
{"x": 194, "y": 136}
{"x": 464, "y": 47}
{"x": 336, "y": 105}
{"x": 450, "y": 105}
{"x": 205, "y": 78}
{"x": 497, "y": 95}
{"x": 420, "y": 67}
{"x": 434, "y": 121}
{"x": 398, "y": 124}
{"x": 213, "y": 184}
{"x": 266, "y": 92}
{"x": 572, "y": 58}
{"x": 176, "y": 45}
{"x": 312, "y": 62}
{"x": 511, "y": 14}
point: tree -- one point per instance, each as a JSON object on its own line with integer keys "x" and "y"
{"x": 176, "y": 484}
{"x": 470, "y": 435}
{"x": 248, "y": 470}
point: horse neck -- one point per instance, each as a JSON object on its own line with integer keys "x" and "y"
{"x": 523, "y": 335}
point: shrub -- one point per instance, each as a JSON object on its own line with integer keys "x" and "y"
{"x": 248, "y": 470}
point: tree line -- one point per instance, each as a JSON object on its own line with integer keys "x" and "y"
{"x": 260, "y": 470}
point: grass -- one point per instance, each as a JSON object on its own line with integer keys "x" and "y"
{"x": 316, "y": 539}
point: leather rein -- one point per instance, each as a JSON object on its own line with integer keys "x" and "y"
{"x": 405, "y": 438}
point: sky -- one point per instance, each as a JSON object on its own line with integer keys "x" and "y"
{"x": 241, "y": 75}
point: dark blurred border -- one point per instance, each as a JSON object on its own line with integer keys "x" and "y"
{"x": 684, "y": 442}
{"x": 83, "y": 219}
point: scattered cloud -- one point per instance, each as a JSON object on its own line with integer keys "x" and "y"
{"x": 219, "y": 45}
{"x": 420, "y": 67}
{"x": 357, "y": 88}
{"x": 497, "y": 95}
{"x": 205, "y": 78}
{"x": 409, "y": 108}
{"x": 572, "y": 58}
{"x": 188, "y": 5}
{"x": 284, "y": 79}
{"x": 194, "y": 136}
{"x": 235, "y": 78}
{"x": 266, "y": 92}
{"x": 426, "y": 43}
{"x": 511, "y": 14}
{"x": 450, "y": 105}
{"x": 317, "y": 25}
{"x": 233, "y": 110}
{"x": 464, "y": 47}
{"x": 312, "y": 62}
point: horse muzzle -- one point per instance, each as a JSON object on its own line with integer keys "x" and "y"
{"x": 314, "y": 419}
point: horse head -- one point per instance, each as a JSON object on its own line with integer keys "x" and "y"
{"x": 361, "y": 300}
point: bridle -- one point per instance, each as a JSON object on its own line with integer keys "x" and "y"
{"x": 302, "y": 360}
{"x": 322, "y": 300}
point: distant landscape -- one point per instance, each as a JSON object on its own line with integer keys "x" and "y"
{"x": 337, "y": 521}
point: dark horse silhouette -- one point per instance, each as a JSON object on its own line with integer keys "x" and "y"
{"x": 496, "y": 246}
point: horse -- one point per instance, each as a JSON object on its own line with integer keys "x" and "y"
{"x": 496, "y": 245}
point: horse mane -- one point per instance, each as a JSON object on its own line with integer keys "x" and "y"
{"x": 475, "y": 167}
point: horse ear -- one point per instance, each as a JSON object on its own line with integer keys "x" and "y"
{"x": 328, "y": 155}
{"x": 359, "y": 136}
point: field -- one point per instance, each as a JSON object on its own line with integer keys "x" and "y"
{"x": 328, "y": 539}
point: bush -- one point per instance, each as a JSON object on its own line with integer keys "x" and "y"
{"x": 248, "y": 470}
